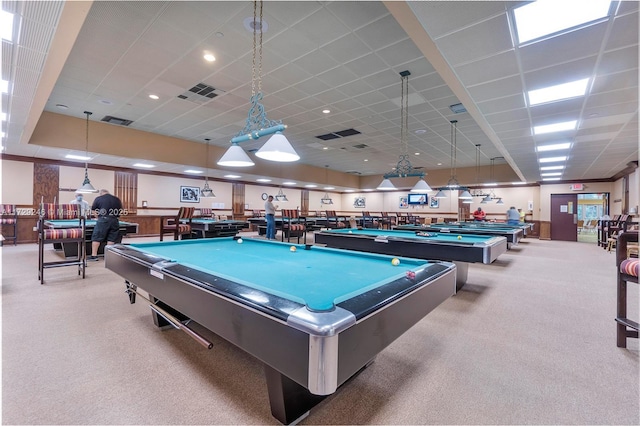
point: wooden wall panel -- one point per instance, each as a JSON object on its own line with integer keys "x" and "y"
{"x": 238, "y": 201}
{"x": 126, "y": 188}
{"x": 545, "y": 230}
{"x": 46, "y": 183}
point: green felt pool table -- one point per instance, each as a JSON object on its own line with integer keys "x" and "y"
{"x": 314, "y": 316}
{"x": 457, "y": 248}
{"x": 525, "y": 226}
{"x": 513, "y": 235}
{"x": 210, "y": 228}
{"x": 71, "y": 250}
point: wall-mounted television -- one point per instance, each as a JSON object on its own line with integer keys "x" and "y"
{"x": 418, "y": 199}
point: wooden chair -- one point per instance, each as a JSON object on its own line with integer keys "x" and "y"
{"x": 369, "y": 221}
{"x": 387, "y": 220}
{"x": 49, "y": 211}
{"x": 335, "y": 221}
{"x": 627, "y": 271}
{"x": 293, "y": 225}
{"x": 9, "y": 220}
{"x": 177, "y": 225}
{"x": 207, "y": 213}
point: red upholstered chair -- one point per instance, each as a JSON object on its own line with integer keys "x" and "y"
{"x": 177, "y": 225}
{"x": 335, "y": 221}
{"x": 627, "y": 273}
{"x": 9, "y": 220}
{"x": 75, "y": 235}
{"x": 207, "y": 213}
{"x": 293, "y": 225}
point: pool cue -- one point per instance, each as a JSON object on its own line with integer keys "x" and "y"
{"x": 175, "y": 322}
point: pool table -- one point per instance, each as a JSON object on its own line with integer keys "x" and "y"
{"x": 419, "y": 244}
{"x": 314, "y": 317}
{"x": 71, "y": 250}
{"x": 513, "y": 235}
{"x": 210, "y": 228}
{"x": 525, "y": 226}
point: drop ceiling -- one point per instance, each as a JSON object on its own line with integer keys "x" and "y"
{"x": 344, "y": 56}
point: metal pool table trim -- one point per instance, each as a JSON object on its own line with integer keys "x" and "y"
{"x": 293, "y": 342}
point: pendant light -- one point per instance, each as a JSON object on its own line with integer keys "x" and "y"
{"x": 277, "y": 148}
{"x": 207, "y": 192}
{"x": 326, "y": 199}
{"x": 404, "y": 167}
{"x": 86, "y": 187}
{"x": 453, "y": 184}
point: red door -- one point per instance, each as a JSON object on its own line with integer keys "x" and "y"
{"x": 564, "y": 217}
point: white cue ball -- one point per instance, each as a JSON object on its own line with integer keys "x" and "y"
{"x": 239, "y": 240}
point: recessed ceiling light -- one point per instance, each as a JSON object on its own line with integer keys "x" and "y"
{"x": 439, "y": 164}
{"x": 325, "y": 148}
{"x": 144, "y": 165}
{"x": 6, "y": 19}
{"x": 349, "y": 190}
{"x": 219, "y": 34}
{"x": 552, "y": 168}
{"x": 552, "y": 159}
{"x": 4, "y": 86}
{"x": 289, "y": 183}
{"x": 326, "y": 111}
{"x": 105, "y": 102}
{"x": 249, "y": 24}
{"x": 540, "y": 18}
{"x": 416, "y": 153}
{"x": 556, "y": 127}
{"x": 154, "y": 97}
{"x": 420, "y": 131}
{"x": 77, "y": 157}
{"x": 263, "y": 180}
{"x": 209, "y": 57}
{"x": 61, "y": 106}
{"x": 366, "y": 160}
{"x": 193, "y": 171}
{"x": 367, "y": 190}
{"x": 551, "y": 178}
{"x": 232, "y": 176}
{"x": 490, "y": 184}
{"x": 311, "y": 186}
{"x": 518, "y": 183}
{"x": 553, "y": 147}
{"x": 329, "y": 187}
{"x": 551, "y": 174}
{"x": 558, "y": 92}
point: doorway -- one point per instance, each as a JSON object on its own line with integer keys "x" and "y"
{"x": 564, "y": 217}
{"x": 591, "y": 207}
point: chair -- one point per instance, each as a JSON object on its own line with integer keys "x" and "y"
{"x": 177, "y": 225}
{"x": 335, "y": 221}
{"x": 589, "y": 226}
{"x": 293, "y": 225}
{"x": 387, "y": 220}
{"x": 627, "y": 271}
{"x": 9, "y": 219}
{"x": 369, "y": 221}
{"x": 207, "y": 213}
{"x": 49, "y": 211}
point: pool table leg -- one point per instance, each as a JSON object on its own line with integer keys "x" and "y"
{"x": 290, "y": 402}
{"x": 462, "y": 272}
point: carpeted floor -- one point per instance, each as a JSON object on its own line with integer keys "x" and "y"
{"x": 529, "y": 340}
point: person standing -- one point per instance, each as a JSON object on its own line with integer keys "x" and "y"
{"x": 270, "y": 215}
{"x": 108, "y": 209}
{"x": 84, "y": 206}
{"x": 513, "y": 217}
{"x": 479, "y": 215}
{"x": 522, "y": 215}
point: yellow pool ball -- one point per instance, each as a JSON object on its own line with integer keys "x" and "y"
{"x": 293, "y": 248}
{"x": 239, "y": 240}
{"x": 459, "y": 237}
{"x": 395, "y": 261}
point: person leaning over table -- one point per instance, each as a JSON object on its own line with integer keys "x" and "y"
{"x": 269, "y": 213}
{"x": 84, "y": 206}
{"x": 108, "y": 209}
{"x": 479, "y": 215}
{"x": 513, "y": 216}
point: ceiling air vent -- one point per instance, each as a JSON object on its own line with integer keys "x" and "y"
{"x": 200, "y": 93}
{"x": 115, "y": 120}
{"x": 340, "y": 134}
{"x": 353, "y": 172}
{"x": 360, "y": 146}
{"x": 457, "y": 108}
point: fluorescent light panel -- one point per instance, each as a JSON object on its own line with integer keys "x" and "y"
{"x": 552, "y": 168}
{"x": 77, "y": 157}
{"x": 551, "y": 178}
{"x": 558, "y": 92}
{"x": 551, "y": 174}
{"x": 6, "y": 25}
{"x": 552, "y": 159}
{"x": 553, "y": 147}
{"x": 193, "y": 171}
{"x": 544, "y": 17}
{"x": 555, "y": 127}
{"x": 144, "y": 165}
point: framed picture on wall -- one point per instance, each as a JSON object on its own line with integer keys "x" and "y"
{"x": 404, "y": 203}
{"x": 434, "y": 203}
{"x": 359, "y": 202}
{"x": 189, "y": 194}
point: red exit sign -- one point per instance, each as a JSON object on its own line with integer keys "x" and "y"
{"x": 576, "y": 187}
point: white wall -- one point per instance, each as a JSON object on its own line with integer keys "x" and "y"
{"x": 71, "y": 178}
{"x": 164, "y": 191}
{"x": 17, "y": 182}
